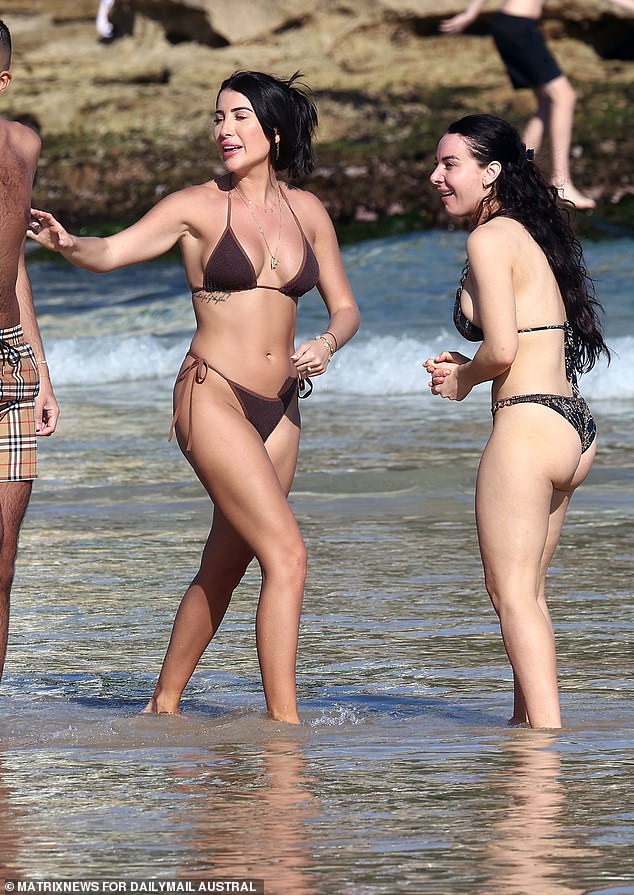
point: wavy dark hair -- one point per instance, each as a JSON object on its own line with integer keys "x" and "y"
{"x": 5, "y": 44}
{"x": 522, "y": 192}
{"x": 285, "y": 106}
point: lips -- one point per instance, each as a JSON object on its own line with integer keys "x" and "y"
{"x": 230, "y": 148}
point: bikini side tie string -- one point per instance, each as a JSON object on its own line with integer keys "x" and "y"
{"x": 199, "y": 368}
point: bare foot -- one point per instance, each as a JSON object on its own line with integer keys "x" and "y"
{"x": 152, "y": 708}
{"x": 518, "y": 722}
{"x": 570, "y": 193}
{"x": 284, "y": 717}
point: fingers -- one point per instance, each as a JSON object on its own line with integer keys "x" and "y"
{"x": 455, "y": 24}
{"x": 46, "y": 230}
{"x": 447, "y": 26}
{"x": 311, "y": 358}
{"x": 46, "y": 416}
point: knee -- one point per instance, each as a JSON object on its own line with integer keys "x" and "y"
{"x": 7, "y": 568}
{"x": 563, "y": 93}
{"x": 511, "y": 594}
{"x": 490, "y": 583}
{"x": 290, "y": 562}
{"x": 224, "y": 576}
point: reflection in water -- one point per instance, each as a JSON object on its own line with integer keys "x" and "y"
{"x": 9, "y": 836}
{"x": 250, "y": 817}
{"x": 531, "y": 849}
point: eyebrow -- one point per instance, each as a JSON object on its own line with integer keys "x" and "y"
{"x": 447, "y": 157}
{"x": 236, "y": 109}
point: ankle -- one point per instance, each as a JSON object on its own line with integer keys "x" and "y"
{"x": 164, "y": 702}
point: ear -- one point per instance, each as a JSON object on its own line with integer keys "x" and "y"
{"x": 491, "y": 174}
{"x": 5, "y": 79}
{"x": 277, "y": 136}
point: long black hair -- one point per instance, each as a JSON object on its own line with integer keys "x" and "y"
{"x": 285, "y": 107}
{"x": 521, "y": 192}
{"x": 5, "y": 45}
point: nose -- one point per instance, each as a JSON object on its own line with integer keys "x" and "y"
{"x": 436, "y": 176}
{"x": 223, "y": 129}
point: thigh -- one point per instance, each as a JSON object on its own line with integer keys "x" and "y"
{"x": 532, "y": 454}
{"x": 559, "y": 505}
{"x": 247, "y": 481}
{"x": 513, "y": 499}
{"x": 14, "y": 499}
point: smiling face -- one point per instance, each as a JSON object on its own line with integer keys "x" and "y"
{"x": 459, "y": 178}
{"x": 241, "y": 142}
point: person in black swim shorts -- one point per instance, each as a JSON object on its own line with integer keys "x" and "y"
{"x": 251, "y": 246}
{"x": 530, "y": 64}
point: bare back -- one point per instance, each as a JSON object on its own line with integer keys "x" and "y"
{"x": 539, "y": 365}
{"x": 530, "y": 9}
{"x": 19, "y": 148}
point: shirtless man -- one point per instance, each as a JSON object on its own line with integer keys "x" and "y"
{"x": 27, "y": 402}
{"x": 530, "y": 63}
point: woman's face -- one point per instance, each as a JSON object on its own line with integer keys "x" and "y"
{"x": 459, "y": 178}
{"x": 241, "y": 142}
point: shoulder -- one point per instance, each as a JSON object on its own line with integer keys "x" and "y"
{"x": 210, "y": 191}
{"x": 311, "y": 212}
{"x": 23, "y": 138}
{"x": 191, "y": 200}
{"x": 499, "y": 238}
{"x": 303, "y": 201}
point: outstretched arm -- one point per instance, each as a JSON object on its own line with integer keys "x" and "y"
{"x": 46, "y": 408}
{"x": 153, "y": 235}
{"x": 461, "y": 21}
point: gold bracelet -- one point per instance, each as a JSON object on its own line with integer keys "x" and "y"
{"x": 325, "y": 341}
{"x": 334, "y": 339}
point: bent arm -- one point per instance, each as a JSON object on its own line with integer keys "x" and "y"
{"x": 153, "y": 235}
{"x": 333, "y": 285}
{"x": 491, "y": 270}
{"x": 313, "y": 356}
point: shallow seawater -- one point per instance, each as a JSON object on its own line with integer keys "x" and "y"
{"x": 403, "y": 777}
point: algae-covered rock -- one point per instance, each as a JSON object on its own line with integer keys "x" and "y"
{"x": 126, "y": 122}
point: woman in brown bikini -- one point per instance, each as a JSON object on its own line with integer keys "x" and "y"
{"x": 526, "y": 297}
{"x": 251, "y": 247}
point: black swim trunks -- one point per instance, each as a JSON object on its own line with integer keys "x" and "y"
{"x": 521, "y": 45}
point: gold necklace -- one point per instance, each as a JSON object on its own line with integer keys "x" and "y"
{"x": 273, "y": 255}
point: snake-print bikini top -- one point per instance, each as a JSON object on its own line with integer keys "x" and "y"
{"x": 473, "y": 333}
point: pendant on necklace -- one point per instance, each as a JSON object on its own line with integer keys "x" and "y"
{"x": 274, "y": 262}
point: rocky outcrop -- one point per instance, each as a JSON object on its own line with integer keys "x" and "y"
{"x": 126, "y": 122}
{"x": 219, "y": 24}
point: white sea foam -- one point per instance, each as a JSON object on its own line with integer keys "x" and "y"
{"x": 94, "y": 361}
{"x": 379, "y": 365}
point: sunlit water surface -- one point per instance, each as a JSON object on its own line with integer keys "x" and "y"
{"x": 403, "y": 776}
